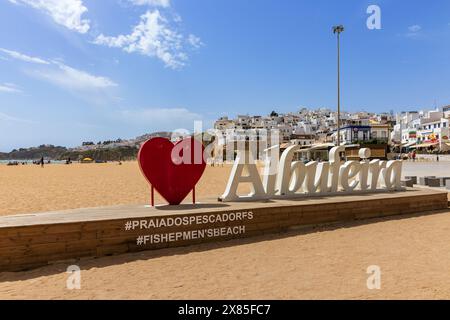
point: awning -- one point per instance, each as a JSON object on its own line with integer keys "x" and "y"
{"x": 314, "y": 147}
{"x": 322, "y": 146}
{"x": 426, "y": 145}
{"x": 408, "y": 144}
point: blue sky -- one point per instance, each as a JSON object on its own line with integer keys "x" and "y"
{"x": 77, "y": 70}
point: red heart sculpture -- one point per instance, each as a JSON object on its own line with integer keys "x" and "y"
{"x": 172, "y": 169}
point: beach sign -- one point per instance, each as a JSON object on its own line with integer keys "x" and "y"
{"x": 172, "y": 169}
{"x": 287, "y": 178}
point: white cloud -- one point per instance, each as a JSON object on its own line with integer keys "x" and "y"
{"x": 161, "y": 118}
{"x": 23, "y": 57}
{"x": 414, "y": 32}
{"x": 154, "y": 3}
{"x": 153, "y": 37}
{"x": 195, "y": 41}
{"x": 67, "y": 13}
{"x": 74, "y": 79}
{"x": 9, "y": 88}
{"x": 415, "y": 28}
{"x": 177, "y": 18}
{"x": 92, "y": 87}
{"x": 164, "y": 119}
{"x": 7, "y": 118}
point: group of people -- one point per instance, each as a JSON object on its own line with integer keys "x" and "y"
{"x": 41, "y": 162}
{"x": 412, "y": 156}
{"x": 15, "y": 163}
{"x": 37, "y": 162}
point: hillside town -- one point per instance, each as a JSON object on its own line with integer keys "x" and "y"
{"x": 421, "y": 132}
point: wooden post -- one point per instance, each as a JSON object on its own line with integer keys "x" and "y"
{"x": 193, "y": 195}
{"x": 152, "y": 196}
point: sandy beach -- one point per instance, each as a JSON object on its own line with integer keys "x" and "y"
{"x": 325, "y": 263}
{"x": 31, "y": 189}
{"x": 413, "y": 252}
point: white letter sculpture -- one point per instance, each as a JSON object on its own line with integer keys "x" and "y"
{"x": 296, "y": 179}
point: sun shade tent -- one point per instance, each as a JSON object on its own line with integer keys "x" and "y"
{"x": 427, "y": 145}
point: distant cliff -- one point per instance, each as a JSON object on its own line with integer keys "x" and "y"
{"x": 62, "y": 153}
{"x": 34, "y": 153}
{"x": 110, "y": 150}
{"x": 103, "y": 154}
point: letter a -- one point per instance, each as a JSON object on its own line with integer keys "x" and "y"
{"x": 244, "y": 159}
{"x": 374, "y": 21}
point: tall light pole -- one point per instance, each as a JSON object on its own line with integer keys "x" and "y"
{"x": 337, "y": 30}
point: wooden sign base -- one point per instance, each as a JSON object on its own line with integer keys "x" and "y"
{"x": 29, "y": 241}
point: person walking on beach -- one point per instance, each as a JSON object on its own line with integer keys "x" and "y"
{"x": 42, "y": 161}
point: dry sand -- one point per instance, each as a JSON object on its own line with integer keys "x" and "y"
{"x": 413, "y": 254}
{"x": 328, "y": 262}
{"x": 30, "y": 188}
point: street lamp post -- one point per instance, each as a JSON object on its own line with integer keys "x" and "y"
{"x": 337, "y": 30}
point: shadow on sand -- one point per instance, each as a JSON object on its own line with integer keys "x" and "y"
{"x": 88, "y": 263}
{"x": 199, "y": 205}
